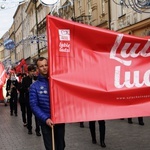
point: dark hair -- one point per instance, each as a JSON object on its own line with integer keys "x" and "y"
{"x": 31, "y": 67}
{"x": 40, "y": 59}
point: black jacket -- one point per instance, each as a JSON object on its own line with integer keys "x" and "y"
{"x": 26, "y": 82}
{"x": 8, "y": 85}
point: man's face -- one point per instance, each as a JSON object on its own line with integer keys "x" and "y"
{"x": 42, "y": 67}
{"x": 31, "y": 73}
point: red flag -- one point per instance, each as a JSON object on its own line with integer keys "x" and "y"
{"x": 3, "y": 76}
{"x": 22, "y": 62}
{"x": 20, "y": 67}
{"x": 96, "y": 73}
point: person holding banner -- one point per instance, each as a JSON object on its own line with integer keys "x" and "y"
{"x": 53, "y": 135}
{"x": 102, "y": 129}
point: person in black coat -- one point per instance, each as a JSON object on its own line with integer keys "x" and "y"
{"x": 13, "y": 99}
{"x": 22, "y": 102}
{"x": 11, "y": 88}
{"x": 102, "y": 129}
{"x": 26, "y": 82}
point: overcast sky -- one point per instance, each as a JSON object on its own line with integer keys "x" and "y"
{"x": 6, "y": 19}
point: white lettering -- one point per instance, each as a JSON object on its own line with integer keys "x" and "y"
{"x": 61, "y": 45}
{"x": 127, "y": 79}
{"x": 64, "y": 47}
{"x": 132, "y": 53}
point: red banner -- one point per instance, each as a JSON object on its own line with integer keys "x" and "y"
{"x": 96, "y": 73}
{"x": 2, "y": 79}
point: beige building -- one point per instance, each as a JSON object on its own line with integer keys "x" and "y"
{"x": 93, "y": 12}
{"x": 5, "y": 52}
{"x": 126, "y": 20}
{"x": 12, "y": 52}
{"x": 1, "y": 51}
{"x": 30, "y": 29}
{"x": 107, "y": 14}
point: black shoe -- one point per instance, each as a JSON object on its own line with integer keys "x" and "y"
{"x": 16, "y": 115}
{"x": 29, "y": 132}
{"x": 81, "y": 125}
{"x": 11, "y": 114}
{"x": 141, "y": 123}
{"x": 103, "y": 144}
{"x": 130, "y": 122}
{"x": 38, "y": 133}
{"x": 94, "y": 141}
{"x": 5, "y": 104}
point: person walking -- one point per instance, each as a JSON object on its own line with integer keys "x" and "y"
{"x": 140, "y": 120}
{"x": 102, "y": 129}
{"x": 26, "y": 82}
{"x": 40, "y": 105}
{"x": 22, "y": 101}
{"x": 13, "y": 98}
{"x": 11, "y": 88}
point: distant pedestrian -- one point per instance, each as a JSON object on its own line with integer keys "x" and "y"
{"x": 140, "y": 120}
{"x": 11, "y": 88}
{"x": 102, "y": 129}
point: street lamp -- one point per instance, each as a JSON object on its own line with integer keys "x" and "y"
{"x": 48, "y": 2}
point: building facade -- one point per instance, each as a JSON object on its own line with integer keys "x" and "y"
{"x": 128, "y": 21}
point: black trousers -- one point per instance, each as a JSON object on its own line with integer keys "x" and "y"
{"x": 59, "y": 136}
{"x": 29, "y": 119}
{"x": 13, "y": 105}
{"x": 23, "y": 107}
{"x": 102, "y": 129}
{"x": 140, "y": 119}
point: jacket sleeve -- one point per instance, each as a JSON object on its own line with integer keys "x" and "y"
{"x": 8, "y": 84}
{"x": 25, "y": 83}
{"x": 34, "y": 104}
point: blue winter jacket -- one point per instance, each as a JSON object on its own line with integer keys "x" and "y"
{"x": 40, "y": 99}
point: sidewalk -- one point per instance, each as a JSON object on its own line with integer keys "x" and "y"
{"x": 119, "y": 135}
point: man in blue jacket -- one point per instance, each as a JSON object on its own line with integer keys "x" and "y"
{"x": 40, "y": 105}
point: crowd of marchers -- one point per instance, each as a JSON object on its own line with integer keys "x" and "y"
{"x": 31, "y": 89}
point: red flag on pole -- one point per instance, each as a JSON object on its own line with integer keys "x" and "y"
{"x": 20, "y": 67}
{"x": 2, "y": 79}
{"x": 95, "y": 73}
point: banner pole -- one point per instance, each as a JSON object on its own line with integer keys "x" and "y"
{"x": 53, "y": 140}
